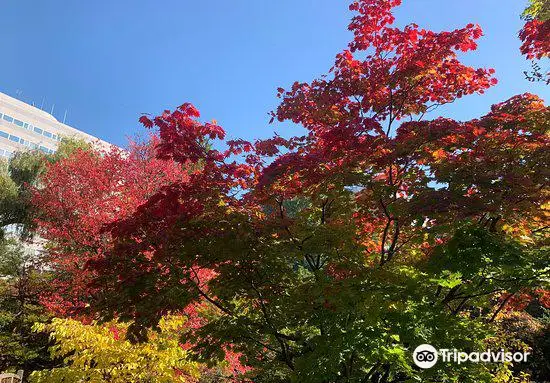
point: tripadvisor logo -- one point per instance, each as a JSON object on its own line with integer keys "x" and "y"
{"x": 426, "y": 356}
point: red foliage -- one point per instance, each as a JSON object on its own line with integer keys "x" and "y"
{"x": 535, "y": 36}
{"x": 544, "y": 297}
{"x": 400, "y": 72}
{"x": 519, "y": 301}
{"x": 79, "y": 196}
{"x": 516, "y": 302}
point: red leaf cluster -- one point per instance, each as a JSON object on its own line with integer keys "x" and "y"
{"x": 535, "y": 36}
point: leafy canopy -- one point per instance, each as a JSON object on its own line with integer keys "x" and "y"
{"x": 326, "y": 257}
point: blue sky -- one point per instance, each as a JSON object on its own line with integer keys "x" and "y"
{"x": 108, "y": 61}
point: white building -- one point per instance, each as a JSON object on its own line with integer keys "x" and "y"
{"x": 23, "y": 126}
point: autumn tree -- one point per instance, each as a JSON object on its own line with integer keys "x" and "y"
{"x": 79, "y": 197}
{"x": 328, "y": 257}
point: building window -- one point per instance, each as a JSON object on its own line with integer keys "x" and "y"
{"x": 47, "y": 134}
{"x": 8, "y": 118}
{"x": 18, "y": 122}
{"x": 4, "y": 134}
{"x": 38, "y": 130}
{"x": 5, "y": 153}
{"x": 14, "y": 138}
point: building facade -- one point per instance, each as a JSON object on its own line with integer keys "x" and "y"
{"x": 24, "y": 127}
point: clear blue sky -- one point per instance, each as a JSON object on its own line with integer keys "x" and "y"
{"x": 107, "y": 61}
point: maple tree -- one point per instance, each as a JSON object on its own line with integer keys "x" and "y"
{"x": 325, "y": 257}
{"x": 80, "y": 194}
{"x": 77, "y": 197}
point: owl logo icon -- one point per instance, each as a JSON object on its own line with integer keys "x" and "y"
{"x": 425, "y": 356}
